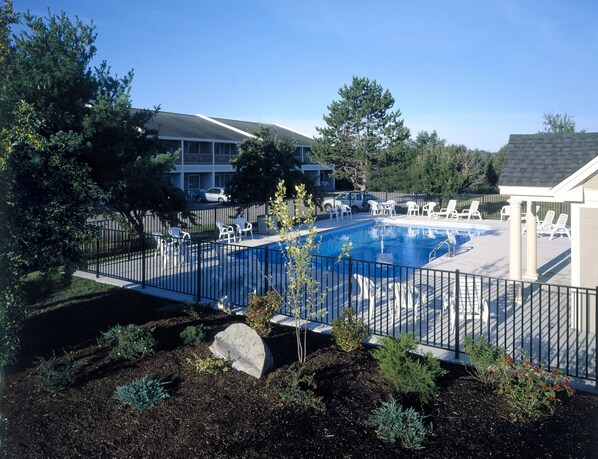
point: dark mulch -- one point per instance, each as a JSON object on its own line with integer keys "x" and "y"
{"x": 235, "y": 415}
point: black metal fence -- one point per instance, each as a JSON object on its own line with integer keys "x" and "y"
{"x": 553, "y": 324}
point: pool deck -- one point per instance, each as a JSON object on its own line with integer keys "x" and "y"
{"x": 486, "y": 254}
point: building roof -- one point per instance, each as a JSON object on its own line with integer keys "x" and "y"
{"x": 275, "y": 129}
{"x": 545, "y": 160}
{"x": 192, "y": 127}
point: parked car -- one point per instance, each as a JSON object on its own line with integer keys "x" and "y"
{"x": 356, "y": 200}
{"x": 216, "y": 194}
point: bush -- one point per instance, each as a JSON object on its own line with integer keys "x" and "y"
{"x": 12, "y": 314}
{"x": 211, "y": 365}
{"x": 129, "y": 342}
{"x": 260, "y": 310}
{"x": 296, "y": 389}
{"x": 485, "y": 357}
{"x": 408, "y": 373}
{"x": 54, "y": 377}
{"x": 393, "y": 422}
{"x": 348, "y": 332}
{"x": 193, "y": 334}
{"x": 142, "y": 393}
{"x": 531, "y": 391}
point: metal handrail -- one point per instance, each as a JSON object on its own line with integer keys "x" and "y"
{"x": 451, "y": 249}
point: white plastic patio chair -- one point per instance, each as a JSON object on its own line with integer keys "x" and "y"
{"x": 448, "y": 211}
{"x": 159, "y": 237}
{"x": 412, "y": 208}
{"x": 471, "y": 212}
{"x": 406, "y": 297}
{"x": 367, "y": 291}
{"x": 374, "y": 207}
{"x": 559, "y": 228}
{"x": 472, "y": 306}
{"x": 429, "y": 209}
{"x": 389, "y": 208}
{"x": 541, "y": 227}
{"x": 225, "y": 231}
{"x": 345, "y": 210}
{"x": 333, "y": 212}
{"x": 243, "y": 227}
{"x": 505, "y": 213}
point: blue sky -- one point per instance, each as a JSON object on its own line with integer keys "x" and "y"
{"x": 474, "y": 70}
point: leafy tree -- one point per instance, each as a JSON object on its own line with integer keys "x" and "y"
{"x": 555, "y": 123}
{"x": 263, "y": 161}
{"x": 358, "y": 127}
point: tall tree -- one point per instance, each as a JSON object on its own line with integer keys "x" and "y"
{"x": 358, "y": 127}
{"x": 263, "y": 161}
{"x": 555, "y": 123}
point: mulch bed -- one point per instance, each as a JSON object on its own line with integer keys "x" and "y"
{"x": 235, "y": 415}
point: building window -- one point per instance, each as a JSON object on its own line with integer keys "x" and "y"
{"x": 224, "y": 152}
{"x": 221, "y": 179}
{"x": 198, "y": 152}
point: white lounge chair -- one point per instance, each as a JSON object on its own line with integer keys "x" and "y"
{"x": 471, "y": 304}
{"x": 471, "y": 212}
{"x": 547, "y": 223}
{"x": 367, "y": 291}
{"x": 448, "y": 211}
{"x": 429, "y": 209}
{"x": 412, "y": 208}
{"x": 559, "y": 228}
{"x": 345, "y": 210}
{"x": 243, "y": 226}
{"x": 225, "y": 231}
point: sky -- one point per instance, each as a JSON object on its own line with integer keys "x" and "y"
{"x": 475, "y": 71}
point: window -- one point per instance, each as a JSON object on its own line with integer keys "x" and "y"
{"x": 198, "y": 152}
{"x": 225, "y": 152}
{"x": 222, "y": 179}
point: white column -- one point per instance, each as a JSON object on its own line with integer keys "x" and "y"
{"x": 515, "y": 240}
{"x": 531, "y": 260}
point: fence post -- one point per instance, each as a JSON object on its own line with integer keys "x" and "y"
{"x": 267, "y": 270}
{"x": 198, "y": 269}
{"x": 456, "y": 312}
{"x": 142, "y": 260}
{"x": 97, "y": 257}
{"x": 350, "y": 283}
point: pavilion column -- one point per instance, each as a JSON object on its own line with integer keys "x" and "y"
{"x": 531, "y": 261}
{"x": 515, "y": 240}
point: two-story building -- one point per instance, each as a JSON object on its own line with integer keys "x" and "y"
{"x": 209, "y": 144}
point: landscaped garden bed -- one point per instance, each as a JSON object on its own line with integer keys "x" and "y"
{"x": 231, "y": 414}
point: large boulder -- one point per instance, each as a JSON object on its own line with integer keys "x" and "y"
{"x": 245, "y": 348}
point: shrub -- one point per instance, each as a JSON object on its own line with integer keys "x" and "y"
{"x": 193, "y": 334}
{"x": 485, "y": 357}
{"x": 260, "y": 310}
{"x": 393, "y": 422}
{"x": 408, "y": 373}
{"x": 129, "y": 342}
{"x": 295, "y": 388}
{"x": 349, "y": 332}
{"x": 142, "y": 393}
{"x": 531, "y": 391}
{"x": 55, "y": 377}
{"x": 12, "y": 314}
{"x": 211, "y": 365}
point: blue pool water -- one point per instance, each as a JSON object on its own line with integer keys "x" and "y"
{"x": 392, "y": 243}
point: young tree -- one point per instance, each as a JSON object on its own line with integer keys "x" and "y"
{"x": 299, "y": 244}
{"x": 358, "y": 127}
{"x": 263, "y": 161}
{"x": 555, "y": 123}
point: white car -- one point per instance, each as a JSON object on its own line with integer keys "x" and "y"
{"x": 357, "y": 200}
{"x": 216, "y": 194}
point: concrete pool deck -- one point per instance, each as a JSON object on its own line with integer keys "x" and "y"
{"x": 486, "y": 254}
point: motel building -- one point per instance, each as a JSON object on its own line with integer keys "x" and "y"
{"x": 209, "y": 144}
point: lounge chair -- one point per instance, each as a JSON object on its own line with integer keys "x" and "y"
{"x": 225, "y": 231}
{"x": 429, "y": 209}
{"x": 367, "y": 291}
{"x": 412, "y": 208}
{"x": 243, "y": 226}
{"x": 344, "y": 209}
{"x": 471, "y": 212}
{"x": 544, "y": 225}
{"x": 558, "y": 228}
{"x": 448, "y": 211}
{"x": 471, "y": 304}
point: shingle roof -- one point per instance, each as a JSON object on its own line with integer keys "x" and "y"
{"x": 282, "y": 132}
{"x": 193, "y": 127}
{"x": 545, "y": 160}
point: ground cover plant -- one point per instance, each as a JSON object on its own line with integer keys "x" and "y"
{"x": 230, "y": 414}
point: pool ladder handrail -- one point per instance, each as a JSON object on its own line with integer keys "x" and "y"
{"x": 451, "y": 249}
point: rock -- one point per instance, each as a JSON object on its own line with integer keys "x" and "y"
{"x": 245, "y": 348}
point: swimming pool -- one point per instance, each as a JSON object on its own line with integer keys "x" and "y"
{"x": 394, "y": 243}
